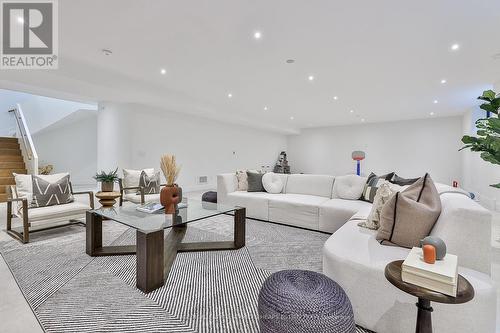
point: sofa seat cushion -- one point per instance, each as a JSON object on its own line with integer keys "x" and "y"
{"x": 256, "y": 203}
{"x": 336, "y": 212}
{"x": 136, "y": 198}
{"x": 356, "y": 261}
{"x": 296, "y": 209}
{"x": 68, "y": 211}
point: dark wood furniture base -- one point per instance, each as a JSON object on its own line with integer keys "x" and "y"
{"x": 465, "y": 292}
{"x": 156, "y": 253}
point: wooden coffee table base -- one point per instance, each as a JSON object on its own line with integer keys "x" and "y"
{"x": 155, "y": 253}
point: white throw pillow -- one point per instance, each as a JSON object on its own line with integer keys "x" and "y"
{"x": 349, "y": 187}
{"x": 272, "y": 183}
{"x": 131, "y": 177}
{"x": 241, "y": 176}
{"x": 384, "y": 193}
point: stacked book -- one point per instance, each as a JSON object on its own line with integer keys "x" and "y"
{"x": 442, "y": 276}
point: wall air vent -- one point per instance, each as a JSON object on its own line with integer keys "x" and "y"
{"x": 202, "y": 179}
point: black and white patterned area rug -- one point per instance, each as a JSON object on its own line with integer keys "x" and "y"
{"x": 205, "y": 291}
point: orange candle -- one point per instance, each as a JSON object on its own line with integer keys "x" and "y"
{"x": 429, "y": 254}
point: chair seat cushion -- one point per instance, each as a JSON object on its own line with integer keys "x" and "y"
{"x": 69, "y": 210}
{"x": 136, "y": 198}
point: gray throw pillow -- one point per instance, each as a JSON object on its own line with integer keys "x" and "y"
{"x": 402, "y": 181}
{"x": 409, "y": 216}
{"x": 255, "y": 182}
{"x": 370, "y": 189}
{"x": 49, "y": 194}
{"x": 151, "y": 184}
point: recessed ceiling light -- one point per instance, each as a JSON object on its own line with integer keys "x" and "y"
{"x": 290, "y": 61}
{"x": 362, "y": 120}
{"x": 292, "y": 118}
{"x": 335, "y": 98}
{"x": 266, "y": 108}
{"x": 432, "y": 113}
{"x": 310, "y": 77}
{"x": 163, "y": 71}
{"x": 435, "y": 101}
{"x": 229, "y": 95}
{"x": 257, "y": 35}
{"x": 455, "y": 47}
{"x": 351, "y": 111}
{"x": 107, "y": 52}
{"x": 443, "y": 81}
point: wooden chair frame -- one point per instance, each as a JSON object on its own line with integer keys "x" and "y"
{"x": 23, "y": 235}
{"x": 140, "y": 188}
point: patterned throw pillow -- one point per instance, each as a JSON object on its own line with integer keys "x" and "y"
{"x": 384, "y": 192}
{"x": 241, "y": 176}
{"x": 47, "y": 193}
{"x": 151, "y": 184}
{"x": 371, "y": 186}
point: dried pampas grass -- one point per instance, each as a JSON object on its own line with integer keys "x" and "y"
{"x": 169, "y": 168}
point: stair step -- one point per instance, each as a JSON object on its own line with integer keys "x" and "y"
{"x": 8, "y": 172}
{"x": 3, "y": 189}
{"x": 9, "y": 151}
{"x": 5, "y": 139}
{"x": 3, "y": 197}
{"x": 7, "y": 181}
{"x": 11, "y": 158}
{"x": 12, "y": 165}
{"x": 9, "y": 145}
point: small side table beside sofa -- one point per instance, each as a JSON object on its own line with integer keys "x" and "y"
{"x": 465, "y": 293}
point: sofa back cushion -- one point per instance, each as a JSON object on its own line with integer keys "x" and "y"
{"x": 320, "y": 185}
{"x": 349, "y": 187}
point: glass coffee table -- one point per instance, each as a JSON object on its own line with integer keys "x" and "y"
{"x": 155, "y": 254}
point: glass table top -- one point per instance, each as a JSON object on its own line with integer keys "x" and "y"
{"x": 149, "y": 222}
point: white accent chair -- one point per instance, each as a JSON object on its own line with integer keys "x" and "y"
{"x": 130, "y": 189}
{"x": 18, "y": 207}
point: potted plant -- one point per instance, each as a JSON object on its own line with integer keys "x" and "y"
{"x": 487, "y": 140}
{"x": 107, "y": 180}
{"x": 171, "y": 194}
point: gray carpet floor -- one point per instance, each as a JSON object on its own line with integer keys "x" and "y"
{"x": 205, "y": 291}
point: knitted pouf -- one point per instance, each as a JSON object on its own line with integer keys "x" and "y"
{"x": 297, "y": 301}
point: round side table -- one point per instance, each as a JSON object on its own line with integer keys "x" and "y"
{"x": 465, "y": 292}
{"x": 107, "y": 199}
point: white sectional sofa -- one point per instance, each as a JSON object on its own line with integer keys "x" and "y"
{"x": 356, "y": 260}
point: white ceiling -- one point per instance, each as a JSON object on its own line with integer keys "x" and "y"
{"x": 383, "y": 59}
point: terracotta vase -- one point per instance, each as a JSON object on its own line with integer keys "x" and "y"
{"x": 170, "y": 196}
{"x": 107, "y": 186}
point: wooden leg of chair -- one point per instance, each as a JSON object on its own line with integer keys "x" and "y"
{"x": 26, "y": 227}
{"x": 9, "y": 215}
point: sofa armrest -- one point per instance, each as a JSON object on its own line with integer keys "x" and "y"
{"x": 226, "y": 183}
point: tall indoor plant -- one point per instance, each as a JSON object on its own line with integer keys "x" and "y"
{"x": 487, "y": 140}
{"x": 107, "y": 179}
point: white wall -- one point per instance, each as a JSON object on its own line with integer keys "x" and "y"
{"x": 135, "y": 136}
{"x": 70, "y": 145}
{"x": 410, "y": 148}
{"x": 8, "y": 101}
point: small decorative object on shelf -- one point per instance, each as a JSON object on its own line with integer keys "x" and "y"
{"x": 171, "y": 194}
{"x": 46, "y": 169}
{"x": 358, "y": 156}
{"x": 282, "y": 164}
{"x": 429, "y": 253}
{"x": 438, "y": 244}
{"x": 107, "y": 179}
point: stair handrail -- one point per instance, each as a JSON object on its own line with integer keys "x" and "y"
{"x": 24, "y": 134}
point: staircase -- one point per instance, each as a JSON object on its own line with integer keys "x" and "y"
{"x": 11, "y": 160}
